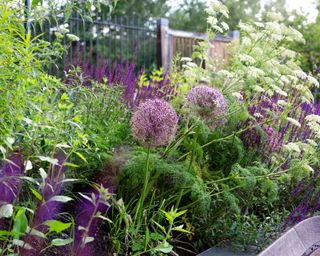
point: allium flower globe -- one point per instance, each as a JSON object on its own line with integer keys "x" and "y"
{"x": 154, "y": 123}
{"x": 209, "y": 104}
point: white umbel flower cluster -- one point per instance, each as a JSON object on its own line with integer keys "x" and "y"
{"x": 313, "y": 122}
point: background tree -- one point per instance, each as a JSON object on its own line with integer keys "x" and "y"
{"x": 242, "y": 11}
{"x": 146, "y": 8}
{"x": 190, "y": 16}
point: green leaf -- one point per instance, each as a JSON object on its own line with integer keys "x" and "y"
{"x": 62, "y": 199}
{"x": 164, "y": 247}
{"x": 156, "y": 237}
{"x": 35, "y": 232}
{"x": 57, "y": 226}
{"x": 6, "y": 211}
{"x": 35, "y": 3}
{"x": 43, "y": 174}
{"x": 20, "y": 222}
{"x": 70, "y": 164}
{"x": 82, "y": 157}
{"x": 50, "y": 160}
{"x": 178, "y": 214}
{"x": 180, "y": 229}
{"x": 28, "y": 165}
{"x": 88, "y": 239}
{"x": 22, "y": 244}
{"x": 137, "y": 247}
{"x": 61, "y": 242}
{"x": 36, "y": 194}
{"x": 161, "y": 227}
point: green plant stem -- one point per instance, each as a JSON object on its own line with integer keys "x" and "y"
{"x": 139, "y": 210}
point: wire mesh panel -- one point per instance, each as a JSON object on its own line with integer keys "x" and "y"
{"x": 102, "y": 40}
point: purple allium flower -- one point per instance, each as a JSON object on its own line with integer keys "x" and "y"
{"x": 154, "y": 123}
{"x": 267, "y": 141}
{"x": 209, "y": 104}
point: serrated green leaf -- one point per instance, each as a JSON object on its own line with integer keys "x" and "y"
{"x": 164, "y": 247}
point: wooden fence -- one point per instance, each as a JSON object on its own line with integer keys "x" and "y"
{"x": 172, "y": 42}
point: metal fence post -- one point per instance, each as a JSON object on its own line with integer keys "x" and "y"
{"x": 163, "y": 43}
{"x": 26, "y": 15}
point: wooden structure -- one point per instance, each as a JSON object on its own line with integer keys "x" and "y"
{"x": 171, "y": 42}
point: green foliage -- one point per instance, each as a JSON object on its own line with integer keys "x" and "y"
{"x": 167, "y": 178}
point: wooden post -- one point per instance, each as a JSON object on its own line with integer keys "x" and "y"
{"x": 235, "y": 36}
{"x": 163, "y": 44}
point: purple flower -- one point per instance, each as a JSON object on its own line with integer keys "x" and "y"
{"x": 154, "y": 123}
{"x": 209, "y": 104}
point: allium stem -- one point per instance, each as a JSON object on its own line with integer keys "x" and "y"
{"x": 139, "y": 210}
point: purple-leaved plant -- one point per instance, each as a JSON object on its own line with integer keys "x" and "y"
{"x": 90, "y": 213}
{"x": 48, "y": 208}
{"x": 10, "y": 172}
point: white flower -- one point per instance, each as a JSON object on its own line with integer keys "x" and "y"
{"x": 275, "y": 16}
{"x": 212, "y": 20}
{"x": 247, "y": 58}
{"x": 225, "y": 73}
{"x": 293, "y": 35}
{"x": 282, "y": 103}
{"x": 300, "y": 74}
{"x": 293, "y": 121}
{"x": 258, "y": 88}
{"x": 258, "y": 115}
{"x": 312, "y": 143}
{"x": 278, "y": 90}
{"x": 292, "y": 148}
{"x": 246, "y": 27}
{"x": 287, "y": 53}
{"x": 254, "y": 72}
{"x": 285, "y": 79}
{"x": 259, "y": 24}
{"x": 63, "y": 29}
{"x": 237, "y": 96}
{"x": 273, "y": 28}
{"x": 186, "y": 59}
{"x": 313, "y": 81}
{"x": 246, "y": 41}
{"x": 313, "y": 122}
{"x": 216, "y": 27}
{"x": 192, "y": 64}
{"x": 225, "y": 26}
{"x": 73, "y": 37}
